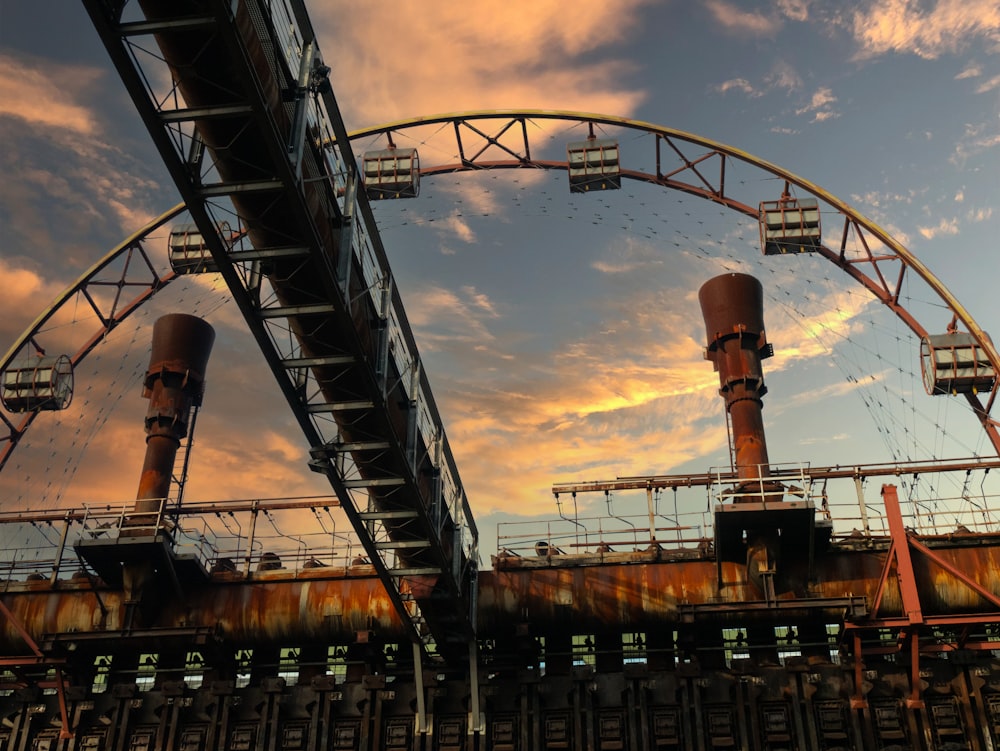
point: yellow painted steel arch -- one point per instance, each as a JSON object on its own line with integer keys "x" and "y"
{"x": 909, "y": 260}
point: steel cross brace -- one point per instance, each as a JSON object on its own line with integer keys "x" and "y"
{"x": 38, "y": 658}
{"x": 913, "y": 617}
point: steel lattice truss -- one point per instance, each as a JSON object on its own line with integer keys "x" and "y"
{"x": 405, "y": 544}
{"x": 113, "y": 288}
{"x": 247, "y": 143}
{"x": 701, "y": 167}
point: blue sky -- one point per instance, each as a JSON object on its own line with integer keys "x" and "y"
{"x": 561, "y": 335}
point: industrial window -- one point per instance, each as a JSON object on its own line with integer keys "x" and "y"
{"x": 431, "y": 650}
{"x": 833, "y": 640}
{"x": 102, "y": 667}
{"x": 336, "y": 663}
{"x": 50, "y": 676}
{"x": 7, "y": 678}
{"x": 634, "y": 648}
{"x": 45, "y": 741}
{"x": 735, "y": 644}
{"x": 487, "y": 648}
{"x": 993, "y": 635}
{"x": 145, "y": 676}
{"x": 244, "y": 657}
{"x": 888, "y": 638}
{"x": 787, "y": 640}
{"x": 391, "y": 652}
{"x": 583, "y": 649}
{"x": 288, "y": 665}
{"x": 194, "y": 670}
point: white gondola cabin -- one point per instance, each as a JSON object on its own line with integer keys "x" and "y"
{"x": 391, "y": 173}
{"x": 955, "y": 363}
{"x": 594, "y": 164}
{"x": 38, "y": 384}
{"x": 188, "y": 252}
{"x": 789, "y": 226}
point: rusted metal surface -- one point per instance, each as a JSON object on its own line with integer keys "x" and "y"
{"x": 268, "y": 607}
{"x": 174, "y": 383}
{"x": 558, "y": 594}
{"x": 234, "y": 58}
{"x": 552, "y": 595}
{"x": 898, "y": 553}
{"x": 733, "y": 308}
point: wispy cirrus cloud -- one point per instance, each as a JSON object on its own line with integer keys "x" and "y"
{"x": 740, "y": 85}
{"x": 927, "y": 30}
{"x": 944, "y": 227}
{"x": 820, "y": 105}
{"x": 795, "y": 10}
{"x": 629, "y": 257}
{"x": 48, "y": 95}
{"x": 734, "y": 19}
{"x": 596, "y": 406}
{"x": 451, "y": 316}
{"x": 976, "y": 139}
{"x": 66, "y": 178}
{"x": 990, "y": 84}
{"x": 970, "y": 71}
{"x": 782, "y": 77}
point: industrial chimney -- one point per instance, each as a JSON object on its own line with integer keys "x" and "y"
{"x": 174, "y": 384}
{"x": 733, "y": 308}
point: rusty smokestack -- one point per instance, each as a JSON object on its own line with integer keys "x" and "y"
{"x": 733, "y": 308}
{"x": 174, "y": 383}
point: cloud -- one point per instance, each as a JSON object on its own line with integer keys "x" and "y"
{"x": 817, "y": 327}
{"x": 783, "y": 76}
{"x": 971, "y": 71}
{"x": 825, "y": 115}
{"x": 976, "y": 138}
{"x": 46, "y": 94}
{"x": 796, "y": 10}
{"x": 67, "y": 182}
{"x": 944, "y": 227}
{"x": 942, "y": 27}
{"x": 820, "y": 105}
{"x": 411, "y": 59}
{"x": 988, "y": 85}
{"x": 630, "y": 256}
{"x": 600, "y": 404}
{"x": 25, "y": 293}
{"x": 448, "y": 317}
{"x": 736, "y": 20}
{"x": 459, "y": 227}
{"x": 737, "y": 84}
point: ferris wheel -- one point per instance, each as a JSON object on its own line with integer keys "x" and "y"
{"x": 788, "y": 228}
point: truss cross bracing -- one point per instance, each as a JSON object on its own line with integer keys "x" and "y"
{"x": 246, "y": 125}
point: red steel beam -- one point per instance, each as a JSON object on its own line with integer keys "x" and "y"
{"x": 901, "y": 547}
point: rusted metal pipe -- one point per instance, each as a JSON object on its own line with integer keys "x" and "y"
{"x": 174, "y": 384}
{"x": 332, "y": 603}
{"x": 733, "y": 308}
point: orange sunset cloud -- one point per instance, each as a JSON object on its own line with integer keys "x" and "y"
{"x": 400, "y": 61}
